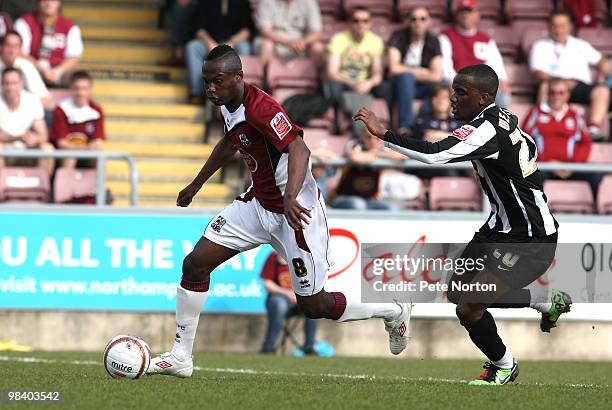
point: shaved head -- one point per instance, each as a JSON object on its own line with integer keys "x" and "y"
{"x": 482, "y": 77}
{"x": 224, "y": 58}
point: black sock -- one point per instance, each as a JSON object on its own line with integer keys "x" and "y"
{"x": 484, "y": 335}
{"x": 514, "y": 298}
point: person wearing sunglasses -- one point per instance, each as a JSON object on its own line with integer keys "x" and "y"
{"x": 415, "y": 64}
{"x": 464, "y": 45}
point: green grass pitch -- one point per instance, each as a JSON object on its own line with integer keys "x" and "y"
{"x": 235, "y": 381}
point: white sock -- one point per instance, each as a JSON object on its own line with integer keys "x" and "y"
{"x": 362, "y": 311}
{"x": 542, "y": 307}
{"x": 506, "y": 362}
{"x": 188, "y": 307}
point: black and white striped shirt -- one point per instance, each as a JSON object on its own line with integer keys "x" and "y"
{"x": 504, "y": 157}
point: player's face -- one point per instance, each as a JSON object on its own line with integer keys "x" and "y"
{"x": 466, "y": 101}
{"x": 49, "y": 7}
{"x": 220, "y": 87}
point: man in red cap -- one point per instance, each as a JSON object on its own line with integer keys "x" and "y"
{"x": 52, "y": 41}
{"x": 464, "y": 45}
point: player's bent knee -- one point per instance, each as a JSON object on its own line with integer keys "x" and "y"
{"x": 312, "y": 308}
{"x": 194, "y": 271}
{"x": 467, "y": 314}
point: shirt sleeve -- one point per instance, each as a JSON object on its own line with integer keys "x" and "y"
{"x": 379, "y": 49}
{"x": 337, "y": 44}
{"x": 99, "y": 133}
{"x": 537, "y": 57}
{"x": 591, "y": 55}
{"x": 34, "y": 81}
{"x": 476, "y": 140}
{"x": 74, "y": 43}
{"x": 26, "y": 35}
{"x": 314, "y": 17}
{"x": 269, "y": 269}
{"x": 495, "y": 61}
{"x": 273, "y": 122}
{"x": 447, "y": 57}
{"x": 59, "y": 125}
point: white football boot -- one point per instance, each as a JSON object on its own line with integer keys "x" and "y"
{"x": 169, "y": 365}
{"x": 399, "y": 329}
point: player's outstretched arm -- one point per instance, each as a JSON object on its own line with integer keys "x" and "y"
{"x": 470, "y": 142}
{"x": 222, "y": 152}
{"x": 296, "y": 168}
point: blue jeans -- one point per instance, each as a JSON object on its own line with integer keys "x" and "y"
{"x": 361, "y": 204}
{"x": 279, "y": 307}
{"x": 405, "y": 90}
{"x": 195, "y": 52}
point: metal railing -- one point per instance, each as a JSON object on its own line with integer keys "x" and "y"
{"x": 100, "y": 156}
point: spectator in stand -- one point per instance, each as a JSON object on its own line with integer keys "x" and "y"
{"x": 565, "y": 56}
{"x": 10, "y": 56}
{"x": 53, "y": 42}
{"x": 289, "y": 28}
{"x": 354, "y": 65}
{"x": 6, "y": 24}
{"x": 415, "y": 64}
{"x": 78, "y": 122}
{"x": 178, "y": 28}
{"x": 281, "y": 303}
{"x": 464, "y": 45}
{"x": 359, "y": 184}
{"x": 216, "y": 22}
{"x": 22, "y": 123}
{"x": 436, "y": 124}
{"x": 560, "y": 133}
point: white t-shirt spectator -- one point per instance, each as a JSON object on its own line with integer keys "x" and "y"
{"x": 571, "y": 61}
{"x": 32, "y": 80}
{"x": 18, "y": 122}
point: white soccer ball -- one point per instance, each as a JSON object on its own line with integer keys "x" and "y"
{"x": 127, "y": 356}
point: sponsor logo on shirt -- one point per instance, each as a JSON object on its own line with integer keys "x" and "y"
{"x": 281, "y": 125}
{"x": 570, "y": 124}
{"x": 90, "y": 128}
{"x": 463, "y": 132}
{"x": 244, "y": 140}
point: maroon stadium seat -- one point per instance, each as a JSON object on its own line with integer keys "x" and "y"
{"x": 529, "y": 9}
{"x": 332, "y": 27}
{"x": 454, "y": 193}
{"x": 600, "y": 38}
{"x": 435, "y": 7}
{"x": 521, "y": 79}
{"x": 318, "y": 138}
{"x": 376, "y": 7}
{"x": 604, "y": 195}
{"x": 520, "y": 109}
{"x": 73, "y": 184}
{"x": 295, "y": 73}
{"x": 253, "y": 70}
{"x": 330, "y": 7}
{"x": 569, "y": 196}
{"x": 381, "y": 109}
{"x": 529, "y": 36}
{"x": 56, "y": 95}
{"x": 24, "y": 184}
{"x": 601, "y": 153}
{"x": 385, "y": 28}
{"x": 507, "y": 40}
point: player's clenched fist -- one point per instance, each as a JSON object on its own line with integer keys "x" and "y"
{"x": 186, "y": 195}
{"x": 296, "y": 213}
{"x": 371, "y": 122}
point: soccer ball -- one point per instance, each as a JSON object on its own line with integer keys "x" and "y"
{"x": 127, "y": 356}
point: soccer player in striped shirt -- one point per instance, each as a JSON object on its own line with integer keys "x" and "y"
{"x": 519, "y": 238}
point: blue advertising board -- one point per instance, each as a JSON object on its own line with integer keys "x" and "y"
{"x": 123, "y": 262}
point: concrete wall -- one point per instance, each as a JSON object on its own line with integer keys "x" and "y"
{"x": 440, "y": 338}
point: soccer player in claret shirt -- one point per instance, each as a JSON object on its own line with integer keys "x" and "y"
{"x": 282, "y": 207}
{"x": 518, "y": 241}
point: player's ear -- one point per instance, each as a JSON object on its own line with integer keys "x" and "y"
{"x": 239, "y": 76}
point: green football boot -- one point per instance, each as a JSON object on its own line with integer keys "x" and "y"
{"x": 561, "y": 303}
{"x": 495, "y": 376}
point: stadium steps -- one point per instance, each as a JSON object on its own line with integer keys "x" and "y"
{"x": 144, "y": 104}
{"x": 155, "y": 202}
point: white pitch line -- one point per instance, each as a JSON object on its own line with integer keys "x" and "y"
{"x": 302, "y": 374}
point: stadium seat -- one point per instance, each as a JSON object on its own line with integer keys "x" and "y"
{"x": 56, "y": 95}
{"x": 506, "y": 39}
{"x": 73, "y": 185}
{"x": 520, "y": 109}
{"x": 318, "y": 138}
{"x": 332, "y": 27}
{"x": 601, "y": 153}
{"x": 330, "y": 7}
{"x": 454, "y": 193}
{"x": 436, "y": 8}
{"x": 600, "y": 38}
{"x": 376, "y": 7}
{"x": 381, "y": 109}
{"x": 569, "y": 196}
{"x": 385, "y": 28}
{"x": 24, "y": 184}
{"x": 604, "y": 195}
{"x": 253, "y": 70}
{"x": 295, "y": 73}
{"x": 529, "y": 36}
{"x": 521, "y": 80}
{"x": 490, "y": 9}
{"x": 529, "y": 9}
